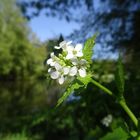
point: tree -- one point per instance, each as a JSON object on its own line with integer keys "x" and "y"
{"x": 21, "y": 68}
{"x": 18, "y": 56}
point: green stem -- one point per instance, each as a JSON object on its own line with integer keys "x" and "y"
{"x": 121, "y": 102}
{"x": 129, "y": 112}
{"x": 102, "y": 87}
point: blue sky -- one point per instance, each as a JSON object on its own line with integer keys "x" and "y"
{"x": 51, "y": 27}
{"x": 47, "y": 27}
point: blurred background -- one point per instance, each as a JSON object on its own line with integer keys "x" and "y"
{"x": 28, "y": 32}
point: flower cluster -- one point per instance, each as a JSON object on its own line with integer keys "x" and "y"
{"x": 107, "y": 120}
{"x": 67, "y": 64}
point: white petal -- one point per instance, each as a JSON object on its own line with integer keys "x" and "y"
{"x": 57, "y": 66}
{"x": 68, "y": 49}
{"x": 55, "y": 75}
{"x": 52, "y": 55}
{"x": 65, "y": 48}
{"x": 49, "y": 61}
{"x": 53, "y": 63}
{"x": 74, "y": 61}
{"x": 61, "y": 80}
{"x": 69, "y": 56}
{"x": 66, "y": 70}
{"x": 83, "y": 62}
{"x": 82, "y": 72}
{"x": 57, "y": 47}
{"x": 78, "y": 47}
{"x": 69, "y": 42}
{"x": 61, "y": 44}
{"x": 73, "y": 71}
{"x": 79, "y": 54}
{"x": 49, "y": 70}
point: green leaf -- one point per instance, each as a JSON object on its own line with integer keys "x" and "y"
{"x": 87, "y": 50}
{"x": 134, "y": 134}
{"x": 119, "y": 77}
{"x": 117, "y": 134}
{"x": 85, "y": 80}
{"x": 79, "y": 82}
{"x": 75, "y": 85}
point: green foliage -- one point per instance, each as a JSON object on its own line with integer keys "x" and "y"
{"x": 18, "y": 55}
{"x": 117, "y": 134}
{"x": 86, "y": 79}
{"x": 15, "y": 137}
{"x": 73, "y": 86}
{"x": 119, "y": 77}
{"x": 88, "y": 48}
{"x": 76, "y": 84}
{"x": 18, "y": 136}
{"x": 21, "y": 68}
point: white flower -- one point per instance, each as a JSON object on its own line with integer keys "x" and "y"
{"x": 64, "y": 45}
{"x": 59, "y": 72}
{"x": 82, "y": 72}
{"x": 73, "y": 71}
{"x": 61, "y": 80}
{"x": 68, "y": 64}
{"x": 107, "y": 120}
{"x": 81, "y": 62}
{"x": 80, "y": 65}
{"x": 51, "y": 61}
{"x": 74, "y": 52}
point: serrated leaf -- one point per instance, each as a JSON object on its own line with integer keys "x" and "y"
{"x": 87, "y": 50}
{"x": 117, "y": 134}
{"x": 119, "y": 76}
{"x": 75, "y": 85}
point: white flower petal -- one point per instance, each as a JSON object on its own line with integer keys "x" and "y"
{"x": 70, "y": 49}
{"x": 52, "y": 63}
{"x": 73, "y": 71}
{"x": 61, "y": 80}
{"x": 78, "y": 47}
{"x": 83, "y": 62}
{"x": 52, "y": 55}
{"x": 58, "y": 66}
{"x": 61, "y": 44}
{"x": 49, "y": 61}
{"x": 57, "y": 47}
{"x": 82, "y": 72}
{"x": 69, "y": 42}
{"x": 70, "y": 55}
{"x": 65, "y": 48}
{"x": 74, "y": 61}
{"x": 79, "y": 54}
{"x": 66, "y": 70}
{"x": 54, "y": 75}
{"x": 49, "y": 70}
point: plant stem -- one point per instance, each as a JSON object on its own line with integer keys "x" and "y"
{"x": 121, "y": 102}
{"x": 129, "y": 112}
{"x": 102, "y": 87}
